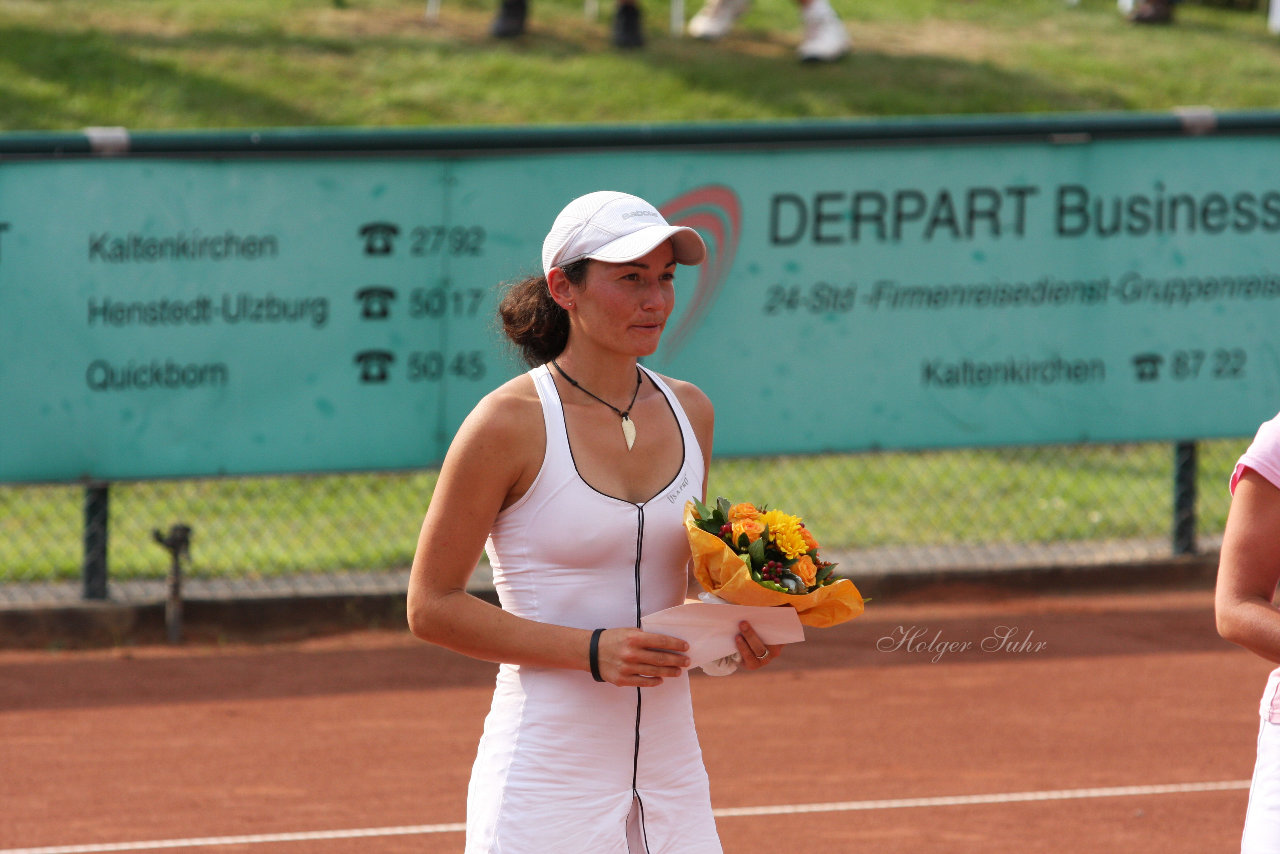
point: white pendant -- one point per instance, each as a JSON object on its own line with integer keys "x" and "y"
{"x": 628, "y": 431}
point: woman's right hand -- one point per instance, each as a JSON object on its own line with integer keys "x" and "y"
{"x": 636, "y": 658}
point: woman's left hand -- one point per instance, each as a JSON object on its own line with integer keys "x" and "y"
{"x": 755, "y": 652}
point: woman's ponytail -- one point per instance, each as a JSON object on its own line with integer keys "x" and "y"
{"x": 533, "y": 321}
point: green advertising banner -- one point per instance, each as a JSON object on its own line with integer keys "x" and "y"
{"x": 206, "y": 315}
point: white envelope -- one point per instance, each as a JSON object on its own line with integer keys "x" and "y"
{"x": 710, "y": 629}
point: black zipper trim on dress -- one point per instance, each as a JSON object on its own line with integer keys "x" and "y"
{"x": 635, "y": 756}
{"x": 639, "y": 555}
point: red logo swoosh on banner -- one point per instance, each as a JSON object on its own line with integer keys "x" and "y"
{"x": 714, "y": 212}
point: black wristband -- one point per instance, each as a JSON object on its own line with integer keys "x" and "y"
{"x": 594, "y": 655}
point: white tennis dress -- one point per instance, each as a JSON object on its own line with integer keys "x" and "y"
{"x": 568, "y": 765}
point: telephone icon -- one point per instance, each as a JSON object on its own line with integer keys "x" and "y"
{"x": 379, "y": 237}
{"x": 1147, "y": 366}
{"x": 374, "y": 365}
{"x": 375, "y": 302}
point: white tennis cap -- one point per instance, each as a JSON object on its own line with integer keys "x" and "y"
{"x": 615, "y": 227}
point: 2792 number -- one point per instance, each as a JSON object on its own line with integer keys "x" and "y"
{"x": 432, "y": 240}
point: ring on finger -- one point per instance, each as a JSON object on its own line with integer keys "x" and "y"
{"x": 763, "y": 655}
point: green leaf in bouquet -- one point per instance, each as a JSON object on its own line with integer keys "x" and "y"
{"x": 756, "y": 552}
{"x": 723, "y": 505}
{"x": 743, "y": 544}
{"x": 824, "y": 572}
{"x": 701, "y": 511}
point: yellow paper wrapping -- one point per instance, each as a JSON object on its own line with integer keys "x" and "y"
{"x": 723, "y": 572}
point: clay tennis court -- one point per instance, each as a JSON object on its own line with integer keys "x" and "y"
{"x": 1104, "y": 722}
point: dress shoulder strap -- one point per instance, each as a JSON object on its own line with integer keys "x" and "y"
{"x": 552, "y": 413}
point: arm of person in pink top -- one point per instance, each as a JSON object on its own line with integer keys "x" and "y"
{"x": 1249, "y": 568}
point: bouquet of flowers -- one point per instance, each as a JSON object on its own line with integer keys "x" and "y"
{"x": 747, "y": 555}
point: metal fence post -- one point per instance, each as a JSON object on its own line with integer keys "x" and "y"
{"x": 94, "y": 569}
{"x": 178, "y": 543}
{"x": 1184, "y": 498}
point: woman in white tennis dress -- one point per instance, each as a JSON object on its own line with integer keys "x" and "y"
{"x": 574, "y": 477}
{"x": 1244, "y": 604}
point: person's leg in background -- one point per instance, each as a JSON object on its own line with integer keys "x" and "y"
{"x": 627, "y": 31}
{"x": 825, "y": 38}
{"x": 1153, "y": 12}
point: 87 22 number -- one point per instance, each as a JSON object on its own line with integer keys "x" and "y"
{"x": 1222, "y": 363}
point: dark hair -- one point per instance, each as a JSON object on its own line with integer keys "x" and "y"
{"x": 535, "y": 323}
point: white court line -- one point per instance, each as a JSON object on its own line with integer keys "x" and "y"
{"x": 731, "y": 812}
{"x": 256, "y": 839}
{"x": 961, "y": 800}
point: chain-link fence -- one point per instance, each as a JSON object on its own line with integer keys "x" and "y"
{"x": 1025, "y": 506}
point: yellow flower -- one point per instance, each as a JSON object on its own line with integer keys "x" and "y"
{"x": 785, "y": 533}
{"x": 739, "y": 512}
{"x": 806, "y": 570}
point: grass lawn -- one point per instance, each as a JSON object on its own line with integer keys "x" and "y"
{"x": 165, "y": 64}
{"x": 269, "y": 526}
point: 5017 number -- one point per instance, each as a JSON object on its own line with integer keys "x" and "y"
{"x": 437, "y": 302}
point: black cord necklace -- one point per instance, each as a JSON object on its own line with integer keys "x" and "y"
{"x": 628, "y": 426}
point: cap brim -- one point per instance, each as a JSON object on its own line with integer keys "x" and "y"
{"x": 688, "y": 245}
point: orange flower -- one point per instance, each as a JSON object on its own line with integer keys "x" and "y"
{"x": 808, "y": 539}
{"x": 806, "y": 570}
{"x": 738, "y": 512}
{"x": 752, "y": 528}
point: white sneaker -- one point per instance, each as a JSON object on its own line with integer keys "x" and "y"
{"x": 715, "y": 19}
{"x": 825, "y": 38}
